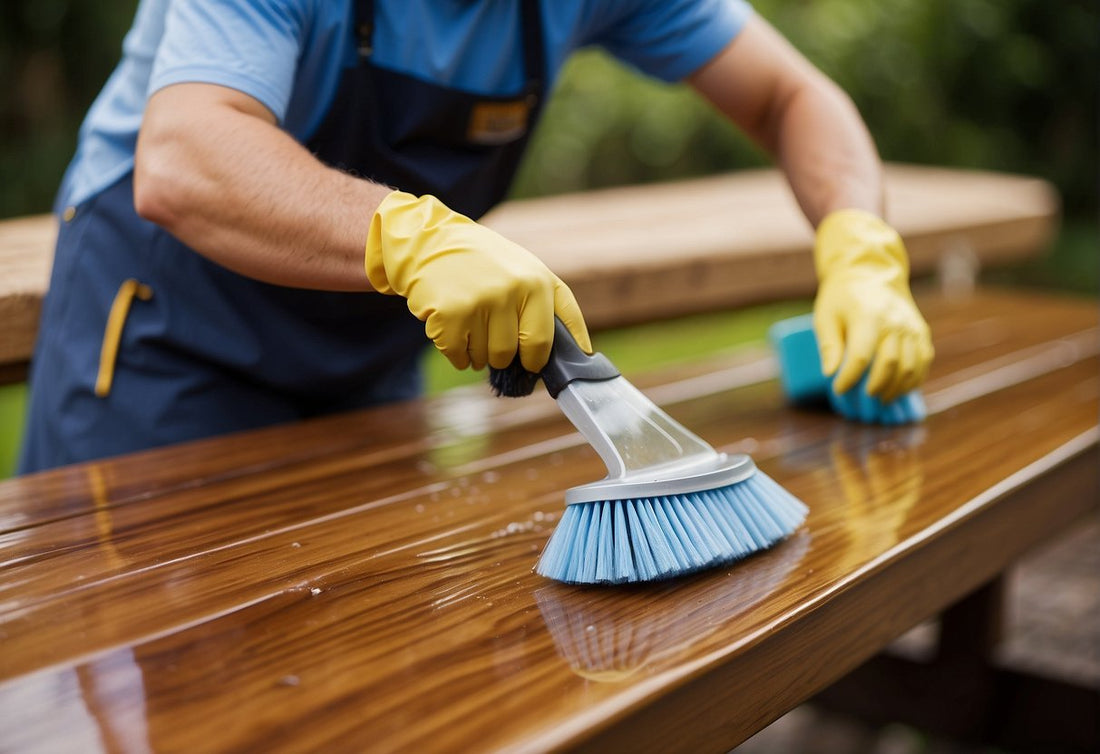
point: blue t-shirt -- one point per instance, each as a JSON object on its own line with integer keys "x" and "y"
{"x": 288, "y": 54}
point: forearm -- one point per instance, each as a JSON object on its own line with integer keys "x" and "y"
{"x": 219, "y": 175}
{"x": 826, "y": 153}
{"x": 812, "y": 129}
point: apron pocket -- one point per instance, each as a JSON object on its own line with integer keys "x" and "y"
{"x": 112, "y": 334}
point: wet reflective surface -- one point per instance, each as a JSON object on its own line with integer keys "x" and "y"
{"x": 364, "y": 582}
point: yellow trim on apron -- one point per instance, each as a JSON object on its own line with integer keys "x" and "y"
{"x": 112, "y": 334}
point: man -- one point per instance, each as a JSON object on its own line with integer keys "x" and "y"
{"x": 255, "y": 173}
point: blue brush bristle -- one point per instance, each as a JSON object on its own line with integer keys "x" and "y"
{"x": 621, "y": 541}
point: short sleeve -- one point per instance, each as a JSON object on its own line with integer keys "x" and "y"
{"x": 249, "y": 45}
{"x": 671, "y": 39}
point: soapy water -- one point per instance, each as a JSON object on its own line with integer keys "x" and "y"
{"x": 535, "y": 524}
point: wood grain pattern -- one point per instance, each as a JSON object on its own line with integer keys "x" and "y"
{"x": 739, "y": 238}
{"x": 364, "y": 582}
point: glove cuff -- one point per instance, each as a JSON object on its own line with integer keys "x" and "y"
{"x": 374, "y": 261}
{"x": 850, "y": 238}
{"x": 404, "y": 228}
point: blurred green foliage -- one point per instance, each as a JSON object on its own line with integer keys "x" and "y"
{"x": 13, "y": 404}
{"x": 997, "y": 84}
{"x": 54, "y": 57}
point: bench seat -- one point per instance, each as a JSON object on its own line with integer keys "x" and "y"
{"x": 638, "y": 253}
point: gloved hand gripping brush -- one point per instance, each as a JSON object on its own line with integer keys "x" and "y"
{"x": 478, "y": 293}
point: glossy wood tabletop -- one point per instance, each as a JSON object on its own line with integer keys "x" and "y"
{"x": 364, "y": 583}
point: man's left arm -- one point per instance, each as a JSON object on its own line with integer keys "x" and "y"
{"x": 864, "y": 314}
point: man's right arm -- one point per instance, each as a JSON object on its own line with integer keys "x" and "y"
{"x": 214, "y": 169}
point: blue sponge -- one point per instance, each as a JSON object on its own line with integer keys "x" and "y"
{"x": 804, "y": 382}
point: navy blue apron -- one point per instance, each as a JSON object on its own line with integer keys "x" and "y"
{"x": 211, "y": 351}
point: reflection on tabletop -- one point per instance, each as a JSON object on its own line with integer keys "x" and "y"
{"x": 608, "y": 634}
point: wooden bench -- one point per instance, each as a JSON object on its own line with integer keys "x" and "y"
{"x": 363, "y": 582}
{"x": 637, "y": 253}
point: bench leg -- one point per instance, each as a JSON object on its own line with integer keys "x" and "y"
{"x": 961, "y": 694}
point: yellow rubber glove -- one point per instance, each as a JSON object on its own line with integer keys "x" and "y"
{"x": 864, "y": 313}
{"x": 480, "y": 296}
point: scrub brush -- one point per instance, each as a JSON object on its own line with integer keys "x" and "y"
{"x": 670, "y": 503}
{"x": 804, "y": 382}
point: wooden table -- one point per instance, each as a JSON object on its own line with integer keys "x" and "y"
{"x": 363, "y": 582}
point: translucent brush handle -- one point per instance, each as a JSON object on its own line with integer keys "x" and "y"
{"x": 647, "y": 453}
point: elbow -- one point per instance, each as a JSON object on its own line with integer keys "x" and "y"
{"x": 153, "y": 200}
{"x": 159, "y": 194}
{"x": 830, "y": 95}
